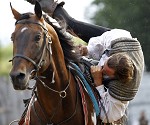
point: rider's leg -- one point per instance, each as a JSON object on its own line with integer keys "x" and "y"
{"x": 83, "y": 30}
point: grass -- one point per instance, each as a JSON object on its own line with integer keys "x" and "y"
{"x": 78, "y": 41}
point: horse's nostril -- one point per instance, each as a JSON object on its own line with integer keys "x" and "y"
{"x": 21, "y": 76}
{"x": 17, "y": 75}
{"x": 18, "y": 79}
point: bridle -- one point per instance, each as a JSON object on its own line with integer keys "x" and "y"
{"x": 49, "y": 48}
{"x": 38, "y": 65}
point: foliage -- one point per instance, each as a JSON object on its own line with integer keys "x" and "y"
{"x": 5, "y": 56}
{"x": 132, "y": 15}
{"x": 78, "y": 41}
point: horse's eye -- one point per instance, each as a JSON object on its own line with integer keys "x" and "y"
{"x": 37, "y": 37}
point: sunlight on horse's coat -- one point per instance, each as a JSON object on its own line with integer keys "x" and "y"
{"x": 94, "y": 118}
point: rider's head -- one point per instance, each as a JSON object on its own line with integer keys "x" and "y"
{"x": 119, "y": 66}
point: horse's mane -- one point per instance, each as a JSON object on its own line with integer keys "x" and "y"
{"x": 69, "y": 50}
{"x": 71, "y": 53}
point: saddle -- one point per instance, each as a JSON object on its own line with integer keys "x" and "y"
{"x": 85, "y": 64}
{"x": 82, "y": 71}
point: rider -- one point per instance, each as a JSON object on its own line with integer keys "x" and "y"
{"x": 122, "y": 59}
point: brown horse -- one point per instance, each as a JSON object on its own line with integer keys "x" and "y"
{"x": 43, "y": 53}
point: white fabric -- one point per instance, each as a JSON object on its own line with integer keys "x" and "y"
{"x": 114, "y": 108}
{"x": 97, "y": 45}
{"x": 103, "y": 59}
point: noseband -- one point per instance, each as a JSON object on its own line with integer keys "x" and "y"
{"x": 40, "y": 63}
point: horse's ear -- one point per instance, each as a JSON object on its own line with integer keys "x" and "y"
{"x": 16, "y": 14}
{"x": 38, "y": 10}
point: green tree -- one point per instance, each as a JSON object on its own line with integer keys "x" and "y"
{"x": 5, "y": 56}
{"x": 132, "y": 15}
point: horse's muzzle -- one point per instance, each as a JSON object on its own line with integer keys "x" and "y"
{"x": 19, "y": 80}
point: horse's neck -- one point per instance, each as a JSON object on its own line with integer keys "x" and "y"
{"x": 58, "y": 61}
{"x": 49, "y": 96}
{"x": 52, "y": 102}
{"x": 56, "y": 80}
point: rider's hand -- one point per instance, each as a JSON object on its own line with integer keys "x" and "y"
{"x": 96, "y": 72}
{"x": 83, "y": 50}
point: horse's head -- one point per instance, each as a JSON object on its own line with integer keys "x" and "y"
{"x": 31, "y": 43}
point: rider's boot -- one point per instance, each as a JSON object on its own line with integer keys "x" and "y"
{"x": 77, "y": 28}
{"x": 48, "y": 6}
